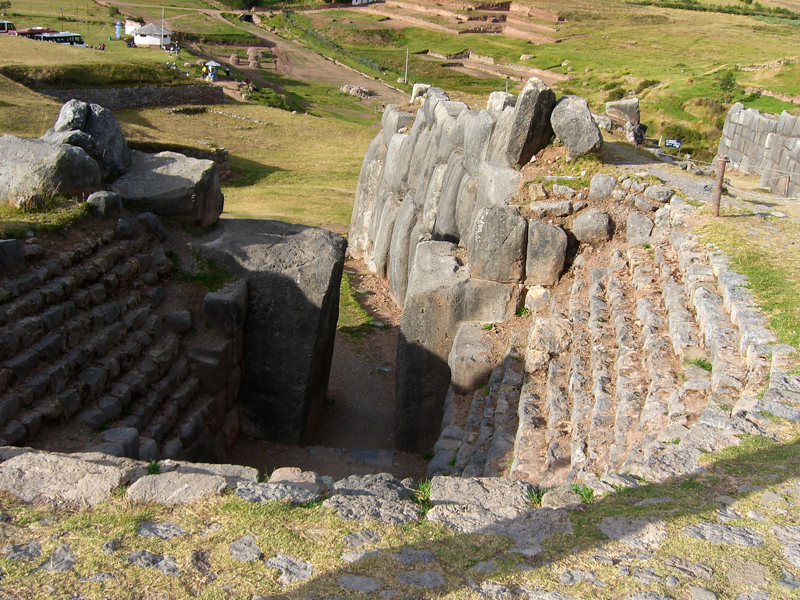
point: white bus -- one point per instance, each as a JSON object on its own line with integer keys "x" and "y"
{"x": 63, "y": 37}
{"x": 7, "y": 27}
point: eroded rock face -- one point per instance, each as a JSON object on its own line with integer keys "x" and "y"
{"x": 172, "y": 185}
{"x": 28, "y": 166}
{"x": 293, "y": 275}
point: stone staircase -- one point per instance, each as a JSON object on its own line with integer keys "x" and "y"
{"x": 93, "y": 354}
{"x": 615, "y": 378}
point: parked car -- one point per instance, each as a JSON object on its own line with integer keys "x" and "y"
{"x": 7, "y": 27}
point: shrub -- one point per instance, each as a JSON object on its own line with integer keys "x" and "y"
{"x": 727, "y": 81}
{"x": 615, "y": 94}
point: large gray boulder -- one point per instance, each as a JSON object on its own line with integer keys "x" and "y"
{"x": 368, "y": 181}
{"x": 226, "y": 308}
{"x": 172, "y": 185}
{"x": 440, "y": 296}
{"x": 532, "y": 129}
{"x": 28, "y": 166}
{"x": 59, "y": 479}
{"x": 593, "y": 226}
{"x": 431, "y": 315}
{"x": 293, "y": 275}
{"x": 496, "y": 248}
{"x": 74, "y": 137}
{"x": 96, "y": 130}
{"x": 573, "y": 123}
{"x": 601, "y": 186}
{"x": 498, "y": 101}
{"x": 624, "y": 111}
{"x": 72, "y": 116}
{"x": 470, "y": 359}
{"x": 103, "y": 126}
{"x": 547, "y": 250}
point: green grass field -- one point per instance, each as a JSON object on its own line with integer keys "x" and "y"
{"x": 292, "y": 167}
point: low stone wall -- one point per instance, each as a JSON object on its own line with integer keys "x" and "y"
{"x": 766, "y": 145}
{"x": 133, "y": 97}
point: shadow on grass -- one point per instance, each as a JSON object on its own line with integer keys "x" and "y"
{"x": 247, "y": 172}
{"x": 692, "y": 500}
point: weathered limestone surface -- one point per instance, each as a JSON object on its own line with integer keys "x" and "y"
{"x": 292, "y": 274}
{"x": 172, "y": 185}
{"x": 28, "y": 166}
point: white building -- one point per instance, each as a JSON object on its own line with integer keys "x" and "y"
{"x": 152, "y": 35}
{"x": 131, "y": 26}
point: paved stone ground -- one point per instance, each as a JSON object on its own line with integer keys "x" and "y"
{"x": 733, "y": 533}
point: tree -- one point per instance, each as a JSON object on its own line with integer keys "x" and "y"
{"x": 5, "y": 5}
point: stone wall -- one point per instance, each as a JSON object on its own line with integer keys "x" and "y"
{"x": 765, "y": 145}
{"x": 95, "y": 336}
{"x": 446, "y": 176}
{"x": 133, "y": 97}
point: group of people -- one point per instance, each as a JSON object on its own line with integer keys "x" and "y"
{"x": 98, "y": 47}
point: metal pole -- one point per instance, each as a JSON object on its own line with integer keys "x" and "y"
{"x": 405, "y": 77}
{"x": 161, "y": 39}
{"x": 718, "y": 186}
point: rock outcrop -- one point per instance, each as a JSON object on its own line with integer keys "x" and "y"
{"x": 293, "y": 274}
{"x": 34, "y": 166}
{"x": 172, "y": 185}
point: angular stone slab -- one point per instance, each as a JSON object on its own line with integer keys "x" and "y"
{"x": 28, "y": 166}
{"x": 62, "y": 560}
{"x": 292, "y": 569}
{"x": 149, "y": 560}
{"x": 731, "y": 535}
{"x": 275, "y": 492}
{"x": 172, "y": 185}
{"x": 245, "y": 549}
{"x": 164, "y": 531}
{"x": 789, "y": 538}
{"x": 573, "y": 123}
{"x": 365, "y": 585}
{"x": 293, "y": 277}
{"x": 497, "y": 245}
{"x": 470, "y": 359}
{"x": 546, "y": 253}
{"x": 643, "y": 533}
{"x": 175, "y": 488}
{"x": 531, "y": 130}
{"x": 421, "y": 579}
{"x": 226, "y": 309}
{"x": 56, "y": 478}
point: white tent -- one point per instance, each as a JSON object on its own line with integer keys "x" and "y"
{"x": 152, "y": 35}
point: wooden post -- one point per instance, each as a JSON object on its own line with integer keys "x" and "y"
{"x": 723, "y": 160}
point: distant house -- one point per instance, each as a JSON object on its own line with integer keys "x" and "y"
{"x": 362, "y": 2}
{"x": 151, "y": 35}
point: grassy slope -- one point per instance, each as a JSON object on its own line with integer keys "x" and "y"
{"x": 294, "y": 167}
{"x": 682, "y": 51}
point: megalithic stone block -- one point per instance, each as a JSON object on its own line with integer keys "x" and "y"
{"x": 531, "y": 130}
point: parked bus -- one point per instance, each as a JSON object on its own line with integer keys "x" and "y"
{"x": 63, "y": 37}
{"x": 32, "y": 32}
{"x": 7, "y": 27}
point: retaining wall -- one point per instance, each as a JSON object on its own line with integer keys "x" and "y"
{"x": 133, "y": 97}
{"x": 766, "y": 145}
